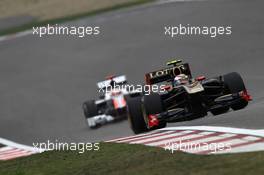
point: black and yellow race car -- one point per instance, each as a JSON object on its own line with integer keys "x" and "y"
{"x": 185, "y": 97}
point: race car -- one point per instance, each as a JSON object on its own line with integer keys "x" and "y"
{"x": 185, "y": 97}
{"x": 111, "y": 105}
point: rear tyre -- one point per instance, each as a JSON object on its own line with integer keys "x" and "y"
{"x": 219, "y": 111}
{"x": 234, "y": 84}
{"x": 153, "y": 105}
{"x": 135, "y": 115}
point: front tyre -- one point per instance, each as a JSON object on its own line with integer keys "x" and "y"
{"x": 90, "y": 110}
{"x": 235, "y": 84}
{"x": 153, "y": 105}
{"x": 135, "y": 115}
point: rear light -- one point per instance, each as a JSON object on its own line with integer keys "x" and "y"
{"x": 200, "y": 78}
{"x": 153, "y": 121}
{"x": 167, "y": 87}
{"x": 109, "y": 77}
{"x": 245, "y": 95}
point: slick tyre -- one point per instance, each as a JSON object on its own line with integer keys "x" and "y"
{"x": 153, "y": 105}
{"x": 90, "y": 109}
{"x": 234, "y": 84}
{"x": 135, "y": 115}
{"x": 219, "y": 111}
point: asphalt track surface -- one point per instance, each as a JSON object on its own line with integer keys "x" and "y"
{"x": 43, "y": 81}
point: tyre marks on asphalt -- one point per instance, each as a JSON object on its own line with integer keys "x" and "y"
{"x": 201, "y": 140}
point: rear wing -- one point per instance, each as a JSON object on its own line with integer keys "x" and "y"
{"x": 167, "y": 74}
{"x": 107, "y": 83}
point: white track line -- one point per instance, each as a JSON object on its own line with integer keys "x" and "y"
{"x": 186, "y": 138}
{"x": 164, "y": 137}
{"x": 233, "y": 139}
{"x": 207, "y": 138}
{"x": 12, "y": 150}
{"x": 27, "y": 32}
{"x": 219, "y": 129}
{"x": 160, "y": 2}
{"x": 131, "y": 139}
{"x": 19, "y": 146}
{"x": 15, "y": 35}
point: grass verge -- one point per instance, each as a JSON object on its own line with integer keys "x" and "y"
{"x": 126, "y": 159}
{"x": 71, "y": 17}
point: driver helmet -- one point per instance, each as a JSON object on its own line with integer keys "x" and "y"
{"x": 180, "y": 79}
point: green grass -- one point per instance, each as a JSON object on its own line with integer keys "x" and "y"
{"x": 70, "y": 18}
{"x": 133, "y": 159}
